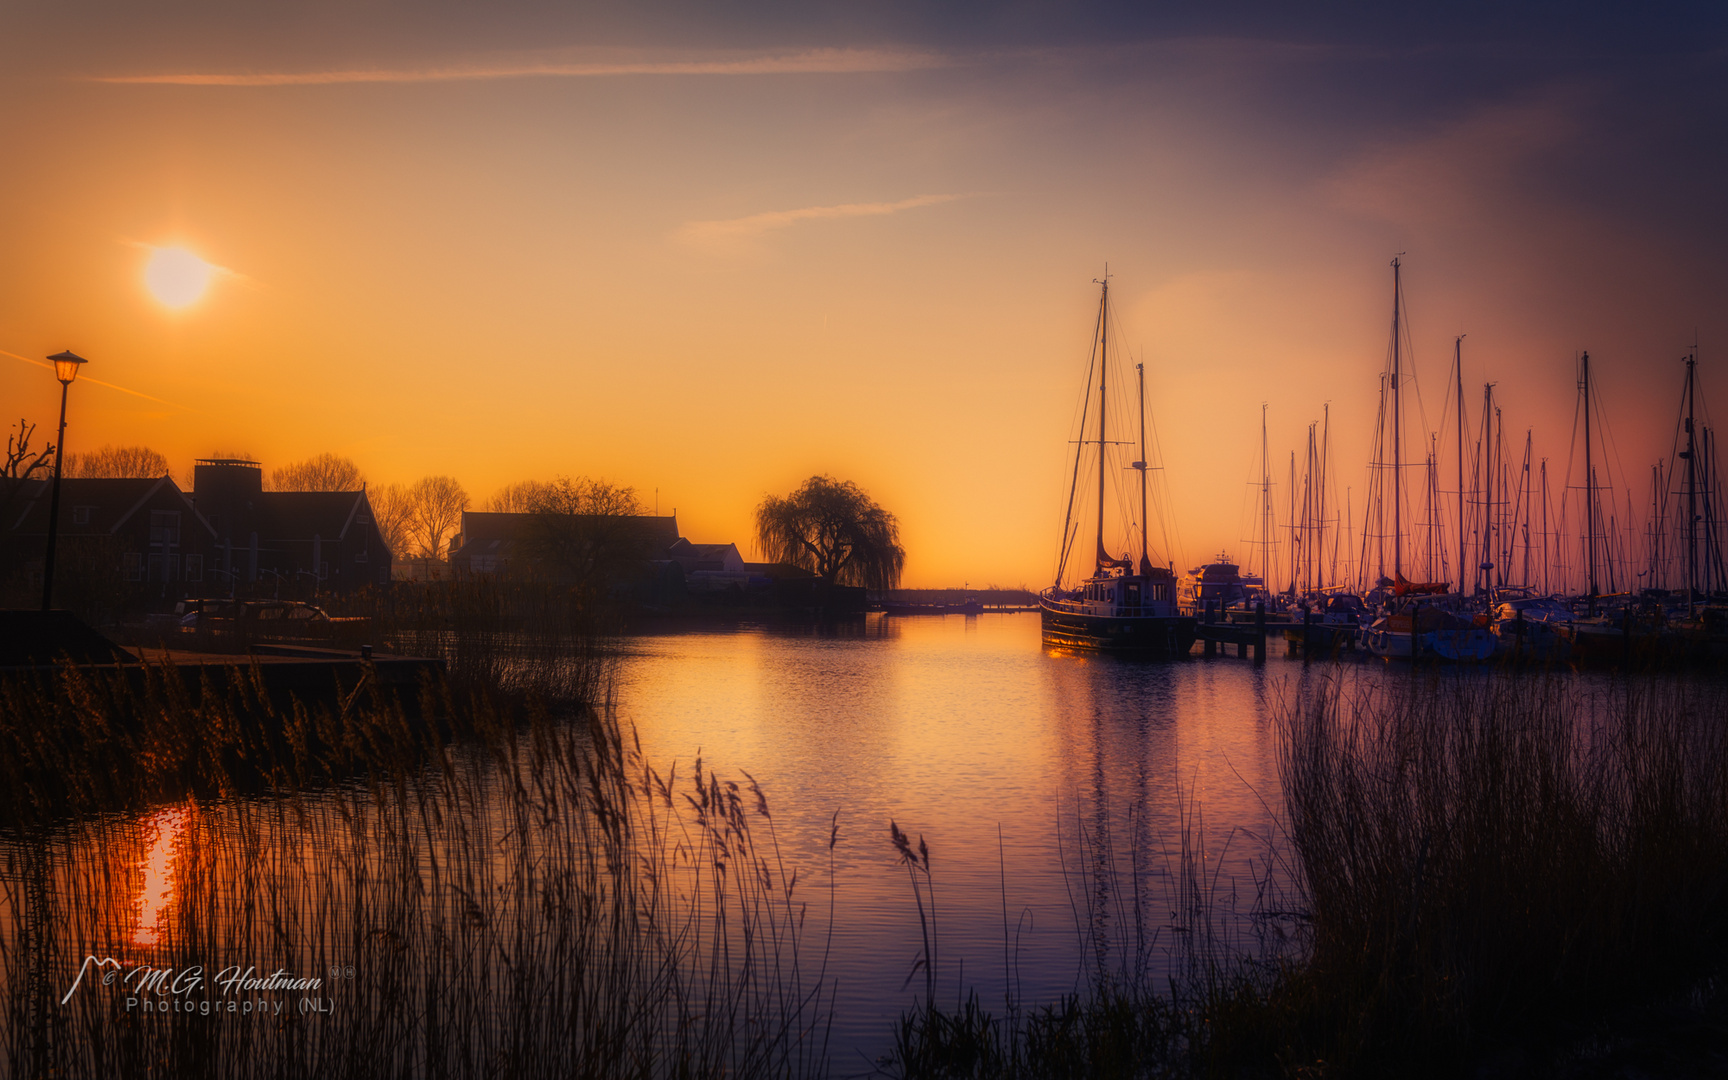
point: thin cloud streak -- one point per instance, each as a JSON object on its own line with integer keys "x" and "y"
{"x": 755, "y": 224}
{"x": 813, "y": 62}
{"x": 99, "y": 382}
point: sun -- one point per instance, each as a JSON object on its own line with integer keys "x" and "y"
{"x": 176, "y": 277}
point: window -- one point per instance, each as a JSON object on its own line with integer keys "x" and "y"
{"x": 164, "y": 526}
{"x": 133, "y": 564}
{"x": 360, "y": 556}
{"x": 81, "y": 515}
{"x": 194, "y": 568}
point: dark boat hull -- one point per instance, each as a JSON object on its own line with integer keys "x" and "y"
{"x": 1157, "y": 636}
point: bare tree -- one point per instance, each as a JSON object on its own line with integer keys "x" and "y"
{"x": 326, "y": 472}
{"x": 438, "y": 502}
{"x": 22, "y": 465}
{"x": 392, "y": 515}
{"x": 584, "y": 532}
{"x": 834, "y": 530}
{"x": 117, "y": 461}
{"x": 518, "y": 498}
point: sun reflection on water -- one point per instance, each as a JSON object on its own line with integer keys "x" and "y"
{"x": 164, "y": 831}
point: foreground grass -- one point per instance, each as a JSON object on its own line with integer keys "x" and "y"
{"x": 508, "y": 891}
{"x": 1483, "y": 867}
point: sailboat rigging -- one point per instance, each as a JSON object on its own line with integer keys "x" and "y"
{"x": 1124, "y": 606}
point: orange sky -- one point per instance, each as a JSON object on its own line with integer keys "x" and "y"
{"x": 713, "y": 268}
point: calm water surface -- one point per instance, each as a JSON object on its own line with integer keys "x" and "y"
{"x": 966, "y": 733}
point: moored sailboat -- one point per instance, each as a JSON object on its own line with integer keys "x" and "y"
{"x": 1124, "y": 606}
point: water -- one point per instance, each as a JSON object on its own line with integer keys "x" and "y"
{"x": 964, "y": 732}
{"x": 1056, "y": 795}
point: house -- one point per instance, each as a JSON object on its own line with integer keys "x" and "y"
{"x": 535, "y": 544}
{"x": 121, "y": 542}
{"x": 706, "y": 557}
{"x": 286, "y": 542}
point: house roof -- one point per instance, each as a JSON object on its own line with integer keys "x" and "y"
{"x": 301, "y": 515}
{"x": 480, "y": 527}
{"x": 112, "y": 502}
{"x": 684, "y": 549}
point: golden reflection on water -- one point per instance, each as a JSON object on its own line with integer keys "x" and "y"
{"x": 163, "y": 832}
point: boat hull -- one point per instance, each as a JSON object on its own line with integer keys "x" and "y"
{"x": 1157, "y": 636}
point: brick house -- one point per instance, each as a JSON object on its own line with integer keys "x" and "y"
{"x": 288, "y": 543}
{"x": 121, "y": 543}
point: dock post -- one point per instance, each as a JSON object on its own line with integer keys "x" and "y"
{"x": 1307, "y": 633}
{"x": 1518, "y": 636}
{"x": 1626, "y": 638}
{"x": 1211, "y": 646}
{"x": 1260, "y": 632}
{"x": 1415, "y": 634}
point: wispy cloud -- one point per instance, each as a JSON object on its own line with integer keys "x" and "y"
{"x": 755, "y": 224}
{"x": 98, "y": 382}
{"x": 809, "y": 62}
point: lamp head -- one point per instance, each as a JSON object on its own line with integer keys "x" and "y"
{"x": 66, "y": 365}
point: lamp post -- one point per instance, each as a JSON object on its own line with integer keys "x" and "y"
{"x": 66, "y": 365}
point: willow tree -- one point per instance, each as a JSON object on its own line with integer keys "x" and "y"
{"x": 835, "y": 531}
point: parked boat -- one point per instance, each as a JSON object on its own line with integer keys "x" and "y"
{"x": 1534, "y": 628}
{"x": 1422, "y": 631}
{"x": 1334, "y": 623}
{"x": 1124, "y": 606}
{"x": 1219, "y": 583}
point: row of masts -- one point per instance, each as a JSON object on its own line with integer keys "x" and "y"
{"x": 1510, "y": 527}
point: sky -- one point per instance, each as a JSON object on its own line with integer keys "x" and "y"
{"x": 710, "y": 250}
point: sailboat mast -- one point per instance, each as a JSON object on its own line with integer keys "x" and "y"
{"x": 1589, "y": 489}
{"x": 1145, "y": 535}
{"x": 1265, "y": 506}
{"x": 1103, "y": 374}
{"x": 1485, "y": 484}
{"x": 1691, "y": 490}
{"x": 1458, "y": 376}
{"x": 1397, "y": 441}
{"x": 1325, "y": 451}
{"x": 1545, "y": 586}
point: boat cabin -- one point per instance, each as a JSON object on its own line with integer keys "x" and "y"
{"x": 1128, "y": 594}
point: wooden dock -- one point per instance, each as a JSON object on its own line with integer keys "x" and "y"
{"x": 1249, "y": 638}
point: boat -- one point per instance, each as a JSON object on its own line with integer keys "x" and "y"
{"x": 1330, "y": 623}
{"x": 1221, "y": 585}
{"x": 1535, "y": 628}
{"x": 1125, "y": 606}
{"x": 1428, "y": 631}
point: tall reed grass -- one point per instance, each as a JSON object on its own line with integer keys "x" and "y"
{"x": 498, "y": 634}
{"x": 516, "y": 894}
{"x": 1464, "y": 862}
{"x": 1485, "y": 858}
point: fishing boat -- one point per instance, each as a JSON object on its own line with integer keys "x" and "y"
{"x": 1125, "y": 606}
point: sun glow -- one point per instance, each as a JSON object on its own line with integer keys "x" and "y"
{"x": 164, "y": 831}
{"x": 177, "y": 277}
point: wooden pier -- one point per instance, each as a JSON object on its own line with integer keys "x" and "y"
{"x": 1249, "y": 638}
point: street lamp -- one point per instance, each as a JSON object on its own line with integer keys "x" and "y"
{"x": 66, "y": 365}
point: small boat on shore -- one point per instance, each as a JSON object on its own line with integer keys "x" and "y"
{"x": 1125, "y": 606}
